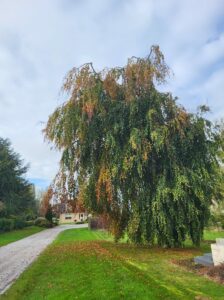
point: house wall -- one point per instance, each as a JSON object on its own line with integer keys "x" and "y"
{"x": 72, "y": 217}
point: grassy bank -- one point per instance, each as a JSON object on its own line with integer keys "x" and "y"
{"x": 15, "y": 235}
{"x": 84, "y": 264}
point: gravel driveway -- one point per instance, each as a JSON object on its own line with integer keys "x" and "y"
{"x": 17, "y": 256}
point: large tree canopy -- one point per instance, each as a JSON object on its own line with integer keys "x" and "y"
{"x": 16, "y": 194}
{"x": 132, "y": 153}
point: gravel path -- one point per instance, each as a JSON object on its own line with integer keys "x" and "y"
{"x": 17, "y": 256}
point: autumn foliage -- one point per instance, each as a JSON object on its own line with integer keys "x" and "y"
{"x": 134, "y": 154}
{"x": 45, "y": 204}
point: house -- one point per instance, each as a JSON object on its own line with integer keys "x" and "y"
{"x": 69, "y": 211}
{"x": 73, "y": 217}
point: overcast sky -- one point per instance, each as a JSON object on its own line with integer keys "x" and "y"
{"x": 40, "y": 40}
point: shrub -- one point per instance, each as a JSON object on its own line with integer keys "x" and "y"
{"x": 217, "y": 215}
{"x": 54, "y": 221}
{"x": 49, "y": 214}
{"x": 30, "y": 216}
{"x": 19, "y": 223}
{"x": 2, "y": 209}
{"x": 100, "y": 222}
{"x": 42, "y": 222}
{"x": 6, "y": 224}
{"x": 30, "y": 223}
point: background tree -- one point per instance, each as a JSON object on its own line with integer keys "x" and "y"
{"x": 2, "y": 209}
{"x": 17, "y": 195}
{"x": 49, "y": 214}
{"x": 45, "y": 205}
{"x": 132, "y": 153}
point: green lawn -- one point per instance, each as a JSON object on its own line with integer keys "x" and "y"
{"x": 212, "y": 235}
{"x": 15, "y": 235}
{"x": 83, "y": 264}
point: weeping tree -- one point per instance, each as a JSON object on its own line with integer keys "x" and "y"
{"x": 133, "y": 154}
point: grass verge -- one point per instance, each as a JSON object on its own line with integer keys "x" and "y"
{"x": 15, "y": 235}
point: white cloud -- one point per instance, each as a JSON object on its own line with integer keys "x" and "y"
{"x": 192, "y": 63}
{"x": 211, "y": 93}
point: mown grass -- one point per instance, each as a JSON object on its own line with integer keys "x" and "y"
{"x": 212, "y": 235}
{"x": 15, "y": 235}
{"x": 83, "y": 264}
